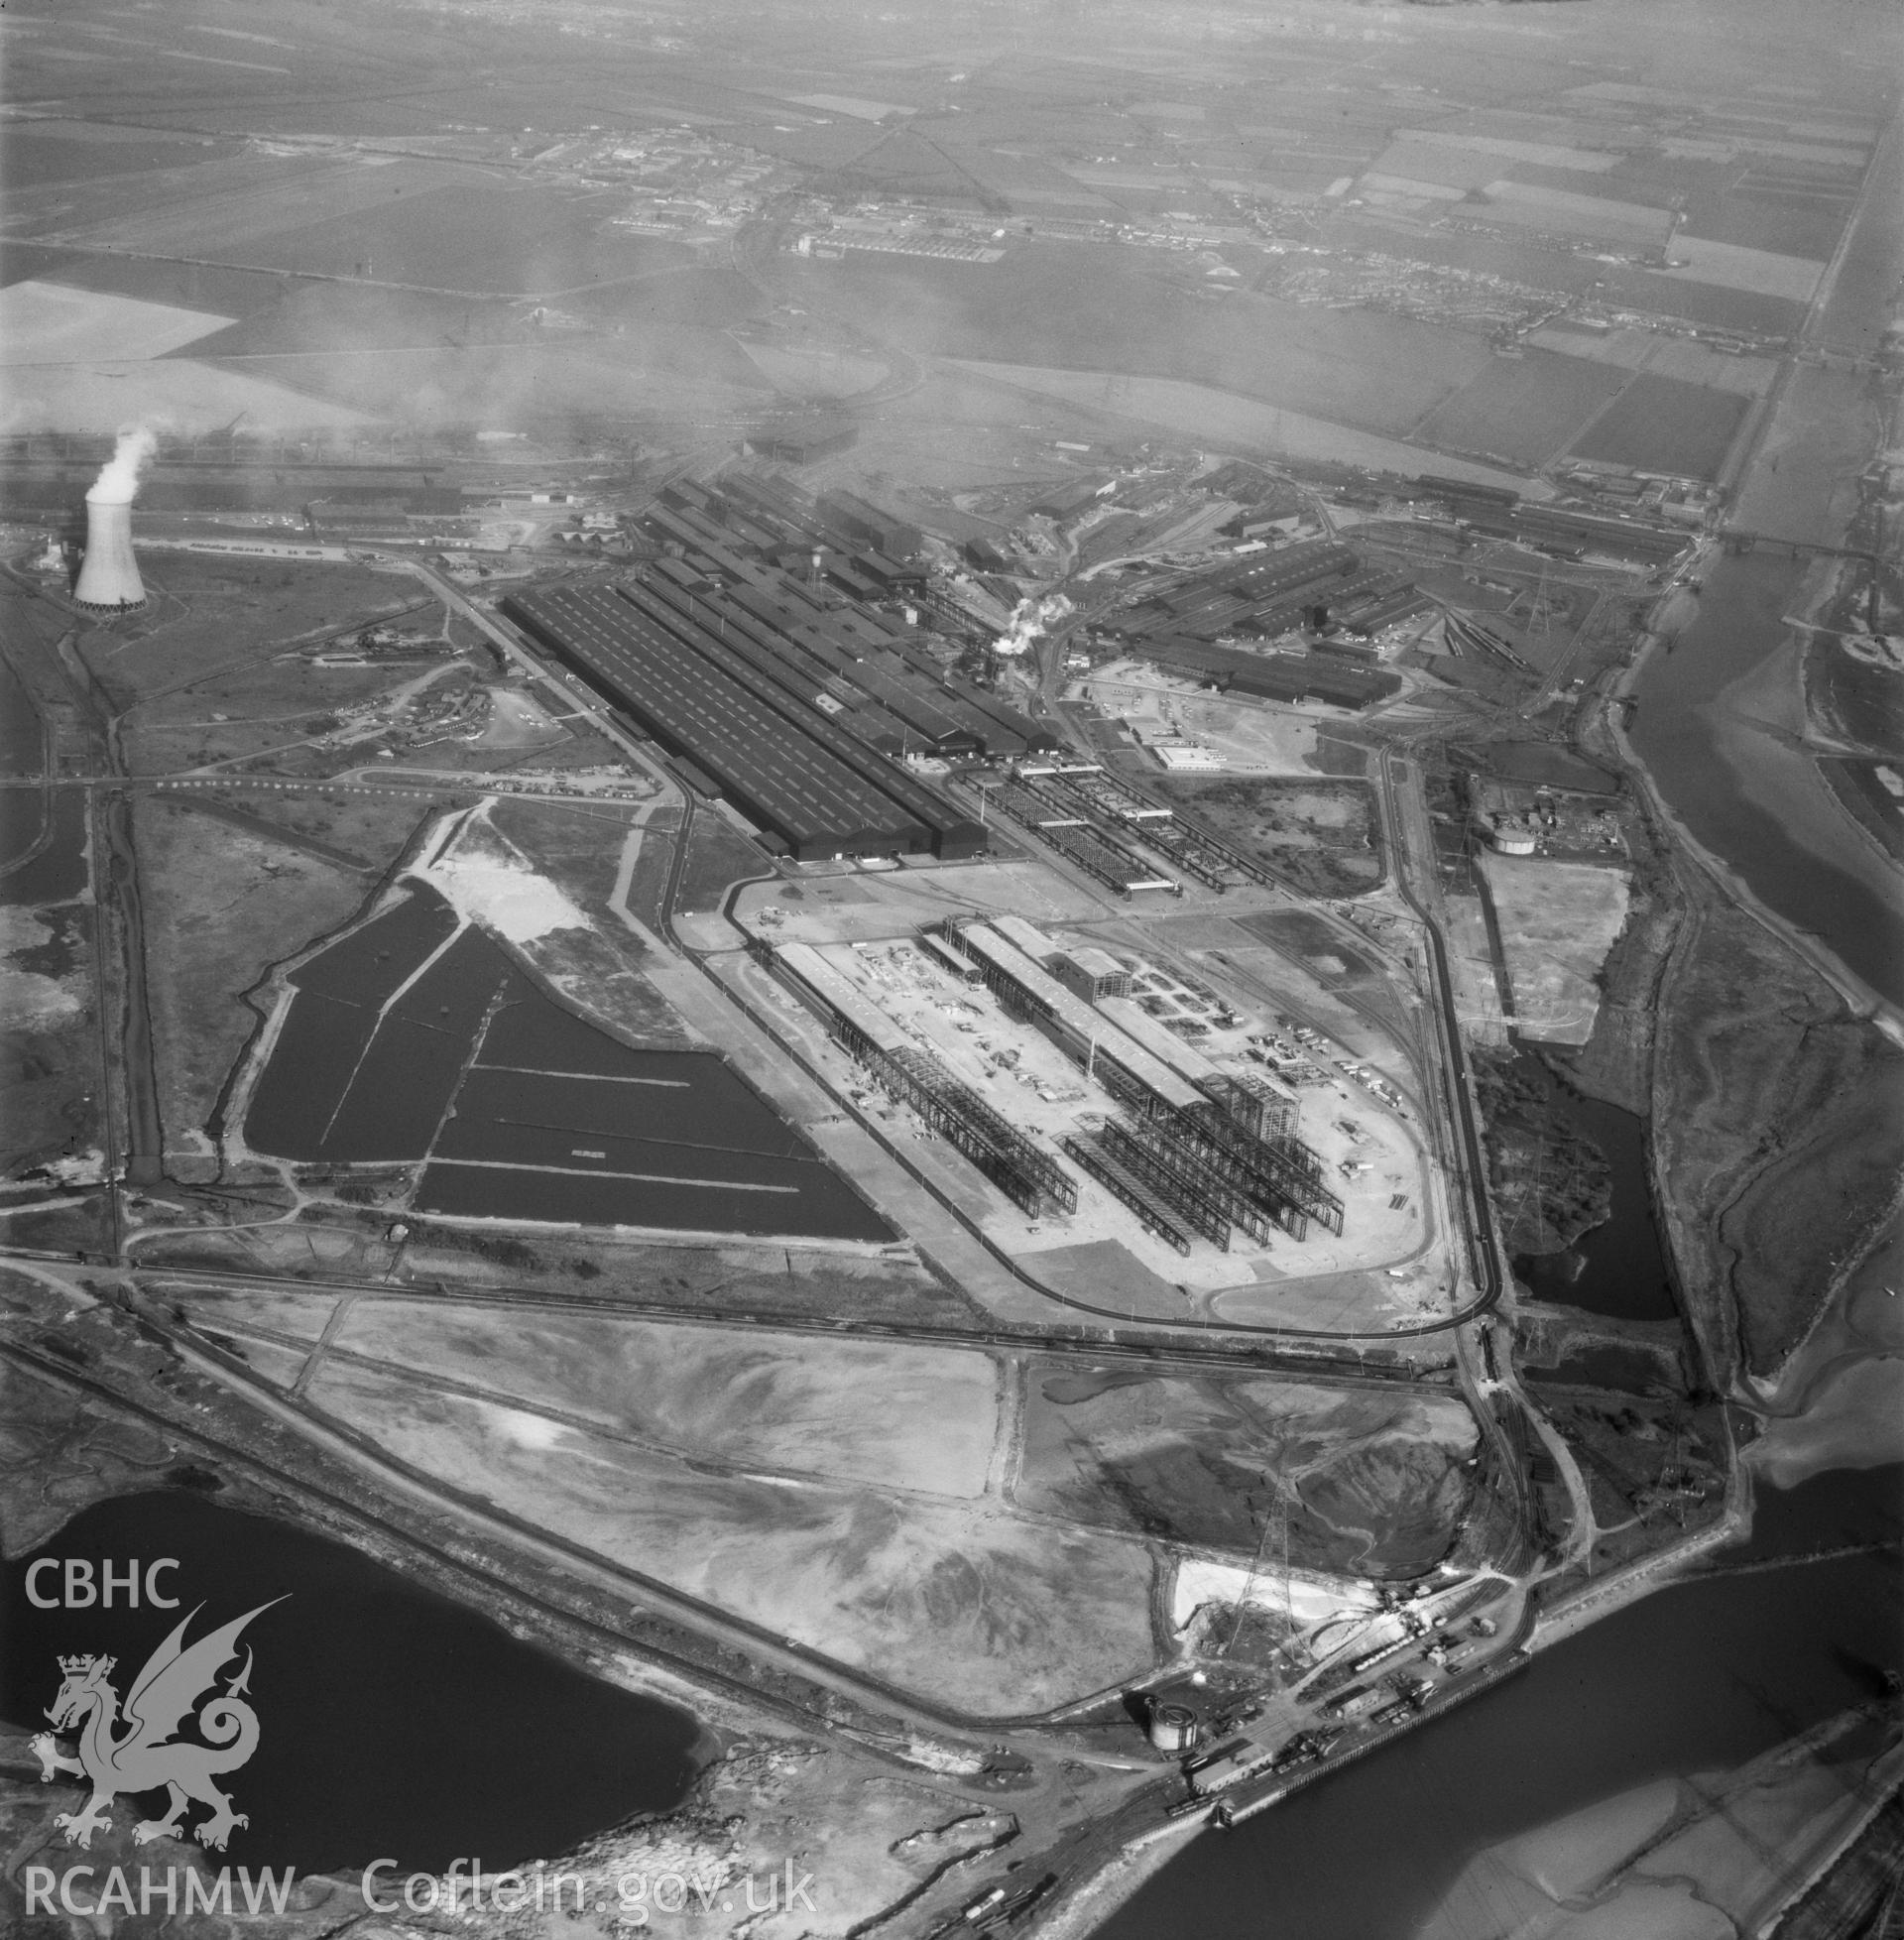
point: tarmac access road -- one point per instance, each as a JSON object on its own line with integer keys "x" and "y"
{"x": 1413, "y": 843}
{"x": 453, "y": 781}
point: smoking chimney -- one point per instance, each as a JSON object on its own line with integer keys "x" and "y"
{"x": 109, "y": 578}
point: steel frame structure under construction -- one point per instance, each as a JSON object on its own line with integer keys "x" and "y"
{"x": 1281, "y": 1176}
{"x": 914, "y": 1076}
{"x": 1154, "y": 1214}
{"x": 1182, "y": 1172}
{"x": 950, "y": 1107}
{"x": 1226, "y": 1140}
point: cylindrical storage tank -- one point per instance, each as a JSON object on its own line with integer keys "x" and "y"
{"x": 109, "y": 579}
{"x": 1173, "y": 1727}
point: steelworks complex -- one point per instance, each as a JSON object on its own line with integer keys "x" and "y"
{"x": 800, "y": 710}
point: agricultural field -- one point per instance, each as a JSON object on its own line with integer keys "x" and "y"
{"x": 1660, "y": 424}
{"x": 203, "y": 287}
{"x": 1082, "y": 308}
{"x": 49, "y": 323}
{"x": 1672, "y": 292}
{"x": 218, "y": 209}
{"x": 487, "y": 238}
{"x": 1229, "y": 423}
{"x": 1678, "y": 357}
{"x": 1803, "y": 222}
{"x": 640, "y": 326}
{"x": 1562, "y": 212}
{"x": 285, "y": 317}
{"x": 1324, "y": 837}
{"x": 36, "y": 153}
{"x": 1523, "y": 410}
{"x": 1757, "y": 272}
{"x": 148, "y": 327}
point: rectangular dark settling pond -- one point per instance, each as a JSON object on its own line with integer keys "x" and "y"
{"x": 536, "y": 1094}
{"x": 401, "y": 1094}
{"x": 366, "y": 966}
{"x": 316, "y": 1051}
{"x": 827, "y": 1209}
{"x": 529, "y": 1033}
{"x": 693, "y": 1098}
{"x": 455, "y": 993}
{"x": 509, "y": 1142}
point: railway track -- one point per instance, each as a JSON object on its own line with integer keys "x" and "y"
{"x": 1247, "y": 1354}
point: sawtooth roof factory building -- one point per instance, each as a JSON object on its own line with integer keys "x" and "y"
{"x": 726, "y": 706}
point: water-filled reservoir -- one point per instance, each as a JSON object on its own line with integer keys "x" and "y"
{"x": 392, "y": 1721}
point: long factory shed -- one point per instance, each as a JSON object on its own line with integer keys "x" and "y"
{"x": 898, "y": 697}
{"x": 766, "y": 675}
{"x": 1082, "y": 1030}
{"x": 841, "y": 996}
{"x": 778, "y": 760}
{"x": 748, "y": 545}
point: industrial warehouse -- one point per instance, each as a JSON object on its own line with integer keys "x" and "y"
{"x": 1318, "y": 586}
{"x": 792, "y": 703}
{"x": 811, "y": 785}
{"x": 826, "y": 587}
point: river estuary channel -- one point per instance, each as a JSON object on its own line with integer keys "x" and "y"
{"x": 1744, "y": 790}
{"x": 1701, "y": 1676}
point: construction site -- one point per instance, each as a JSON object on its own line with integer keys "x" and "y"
{"x": 1102, "y": 1100}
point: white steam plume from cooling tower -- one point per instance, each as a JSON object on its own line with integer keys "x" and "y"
{"x": 118, "y": 480}
{"x": 109, "y": 579}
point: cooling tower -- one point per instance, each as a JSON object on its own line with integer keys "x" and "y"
{"x": 109, "y": 576}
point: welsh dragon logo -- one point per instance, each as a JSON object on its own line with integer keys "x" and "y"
{"x": 146, "y": 1755}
